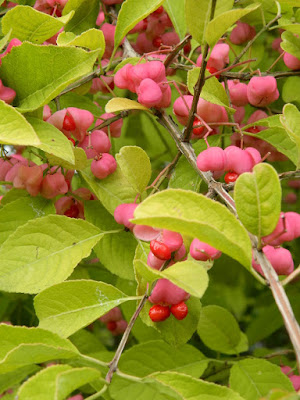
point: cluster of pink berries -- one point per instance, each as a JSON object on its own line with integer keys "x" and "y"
{"x": 53, "y": 7}
{"x": 74, "y": 123}
{"x": 232, "y": 159}
{"x": 114, "y": 321}
{"x": 287, "y": 229}
{"x": 148, "y": 80}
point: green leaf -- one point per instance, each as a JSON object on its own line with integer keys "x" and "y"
{"x": 53, "y": 141}
{"x": 145, "y": 358}
{"x": 111, "y": 191}
{"x": 132, "y": 12}
{"x": 212, "y": 91}
{"x": 197, "y": 216}
{"x": 21, "y": 346}
{"x": 219, "y": 25}
{"x": 195, "y": 389}
{"x": 290, "y": 44}
{"x": 12, "y": 378}
{"x": 69, "y": 306}
{"x": 47, "y": 64}
{"x": 175, "y": 9}
{"x": 145, "y": 389}
{"x": 136, "y": 166}
{"x": 290, "y": 121}
{"x": 14, "y": 128}
{"x": 5, "y": 39}
{"x": 45, "y": 251}
{"x": 281, "y": 140}
{"x": 219, "y": 330}
{"x": 116, "y": 252}
{"x": 60, "y": 381}
{"x": 121, "y": 104}
{"x": 291, "y": 89}
{"x": 92, "y": 39}
{"x": 80, "y": 159}
{"x": 188, "y": 275}
{"x": 72, "y": 99}
{"x": 257, "y": 196}
{"x": 254, "y": 378}
{"x": 86, "y": 12}
{"x": 18, "y": 212}
{"x": 87, "y": 342}
{"x": 31, "y": 25}
{"x": 185, "y": 177}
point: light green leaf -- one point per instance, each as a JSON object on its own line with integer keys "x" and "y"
{"x": 10, "y": 379}
{"x": 20, "y": 211}
{"x": 290, "y": 43}
{"x": 31, "y": 25}
{"x": 136, "y": 167}
{"x": 175, "y": 9}
{"x": 21, "y": 346}
{"x": 212, "y": 91}
{"x": 254, "y": 378}
{"x": 5, "y": 39}
{"x": 184, "y": 176}
{"x": 280, "y": 139}
{"x": 145, "y": 358}
{"x": 132, "y": 12}
{"x": 257, "y": 196}
{"x": 116, "y": 252}
{"x": 53, "y": 141}
{"x": 92, "y": 39}
{"x": 290, "y": 121}
{"x": 219, "y": 25}
{"x": 47, "y": 64}
{"x": 195, "y": 389}
{"x": 111, "y": 191}
{"x": 79, "y": 164}
{"x": 14, "y": 128}
{"x": 45, "y": 251}
{"x": 197, "y": 216}
{"x": 120, "y": 104}
{"x": 291, "y": 89}
{"x": 145, "y": 389}
{"x": 188, "y": 275}
{"x": 86, "y": 12}
{"x": 87, "y": 342}
{"x": 219, "y": 330}
{"x": 69, "y": 306}
{"x": 60, "y": 381}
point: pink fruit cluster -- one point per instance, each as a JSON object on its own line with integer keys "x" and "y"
{"x": 148, "y": 81}
{"x": 50, "y": 6}
{"x": 114, "y": 321}
{"x": 71, "y": 206}
{"x": 74, "y": 123}
{"x": 231, "y": 159}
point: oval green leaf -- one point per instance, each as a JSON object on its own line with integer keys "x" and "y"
{"x": 197, "y": 216}
{"x": 69, "y": 306}
{"x": 44, "y": 251}
{"x": 121, "y": 104}
{"x": 258, "y": 199}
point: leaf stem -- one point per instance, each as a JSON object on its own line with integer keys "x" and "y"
{"x": 291, "y": 277}
{"x": 170, "y": 57}
{"x": 98, "y": 394}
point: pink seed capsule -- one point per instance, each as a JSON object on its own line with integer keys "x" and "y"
{"x": 212, "y": 159}
{"x": 149, "y": 93}
{"x": 262, "y": 90}
{"x": 291, "y": 61}
{"x": 242, "y": 33}
{"x": 124, "y": 213}
{"x": 103, "y": 167}
{"x": 166, "y": 292}
{"x": 203, "y": 251}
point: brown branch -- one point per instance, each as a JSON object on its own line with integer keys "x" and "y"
{"x": 245, "y": 76}
{"x": 200, "y": 82}
{"x": 170, "y": 57}
{"x": 109, "y": 121}
{"x": 289, "y": 174}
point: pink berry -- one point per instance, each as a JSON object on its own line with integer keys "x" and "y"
{"x": 211, "y": 112}
{"x": 154, "y": 262}
{"x": 29, "y": 178}
{"x": 115, "y": 128}
{"x": 262, "y": 90}
{"x": 203, "y": 251}
{"x": 53, "y": 185}
{"x": 238, "y": 93}
{"x": 103, "y": 167}
{"x": 212, "y": 159}
{"x": 280, "y": 258}
{"x": 291, "y": 61}
{"x": 123, "y": 213}
{"x": 166, "y": 292}
{"x": 242, "y": 33}
{"x": 96, "y": 143}
{"x": 149, "y": 93}
{"x": 181, "y": 108}
{"x": 238, "y": 160}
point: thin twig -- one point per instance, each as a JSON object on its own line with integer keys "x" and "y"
{"x": 114, "y": 363}
{"x": 291, "y": 277}
{"x": 109, "y": 121}
{"x": 289, "y": 174}
{"x": 170, "y": 57}
{"x": 98, "y": 394}
{"x": 264, "y": 29}
{"x": 200, "y": 82}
